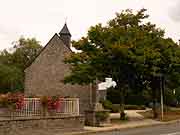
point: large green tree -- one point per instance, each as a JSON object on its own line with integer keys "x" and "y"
{"x": 25, "y": 50}
{"x": 11, "y": 79}
{"x": 13, "y": 63}
{"x": 129, "y": 49}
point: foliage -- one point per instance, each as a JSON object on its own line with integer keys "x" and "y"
{"x": 54, "y": 103}
{"x": 102, "y": 116}
{"x": 11, "y": 78}
{"x": 109, "y": 106}
{"x": 16, "y": 99}
{"x": 51, "y": 102}
{"x": 170, "y": 98}
{"x": 131, "y": 107}
{"x": 25, "y": 52}
{"x": 132, "y": 51}
{"x": 132, "y": 97}
{"x": 12, "y": 100}
{"x": 134, "y": 107}
{"x": 113, "y": 95}
{"x": 13, "y": 63}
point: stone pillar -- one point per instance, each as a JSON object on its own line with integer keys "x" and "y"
{"x": 93, "y": 120}
{"x": 91, "y": 115}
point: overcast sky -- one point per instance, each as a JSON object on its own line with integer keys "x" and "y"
{"x": 42, "y": 18}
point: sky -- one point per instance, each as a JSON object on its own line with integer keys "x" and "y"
{"x": 43, "y": 18}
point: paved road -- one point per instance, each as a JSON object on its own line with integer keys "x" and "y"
{"x": 170, "y": 129}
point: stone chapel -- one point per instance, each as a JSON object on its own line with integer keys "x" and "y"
{"x": 45, "y": 74}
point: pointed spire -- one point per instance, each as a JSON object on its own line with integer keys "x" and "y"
{"x": 65, "y": 31}
{"x": 65, "y": 35}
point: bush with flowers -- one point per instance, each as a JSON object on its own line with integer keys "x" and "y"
{"x": 12, "y": 100}
{"x": 16, "y": 101}
{"x": 54, "y": 103}
{"x": 50, "y": 104}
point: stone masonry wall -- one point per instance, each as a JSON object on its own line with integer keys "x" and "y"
{"x": 37, "y": 126}
{"x": 45, "y": 75}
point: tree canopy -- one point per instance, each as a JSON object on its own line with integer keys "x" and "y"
{"x": 13, "y": 63}
{"x": 130, "y": 50}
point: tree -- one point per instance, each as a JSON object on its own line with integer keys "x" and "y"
{"x": 159, "y": 65}
{"x": 133, "y": 53}
{"x": 11, "y": 79}
{"x": 25, "y": 51}
{"x": 12, "y": 64}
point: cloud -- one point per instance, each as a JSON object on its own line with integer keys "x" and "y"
{"x": 42, "y": 18}
{"x": 8, "y": 32}
{"x": 174, "y": 12}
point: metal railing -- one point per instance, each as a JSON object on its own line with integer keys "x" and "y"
{"x": 33, "y": 107}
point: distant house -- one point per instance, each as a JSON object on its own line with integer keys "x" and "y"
{"x": 45, "y": 74}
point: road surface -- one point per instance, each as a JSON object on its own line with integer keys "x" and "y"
{"x": 170, "y": 129}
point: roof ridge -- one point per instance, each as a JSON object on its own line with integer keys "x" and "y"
{"x": 44, "y": 49}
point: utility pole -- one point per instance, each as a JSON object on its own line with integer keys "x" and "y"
{"x": 162, "y": 89}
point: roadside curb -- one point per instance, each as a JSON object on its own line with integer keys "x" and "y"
{"x": 170, "y": 122}
{"x": 87, "y": 132}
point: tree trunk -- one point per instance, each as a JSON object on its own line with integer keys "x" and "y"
{"x": 122, "y": 113}
{"x": 154, "y": 108}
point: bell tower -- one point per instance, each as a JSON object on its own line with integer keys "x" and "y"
{"x": 65, "y": 35}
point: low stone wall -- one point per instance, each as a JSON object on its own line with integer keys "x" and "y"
{"x": 21, "y": 125}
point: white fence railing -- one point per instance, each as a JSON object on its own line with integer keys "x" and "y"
{"x": 33, "y": 107}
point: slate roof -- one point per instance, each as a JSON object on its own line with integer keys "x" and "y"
{"x": 65, "y": 30}
{"x": 45, "y": 48}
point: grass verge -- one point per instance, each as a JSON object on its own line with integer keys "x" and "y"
{"x": 170, "y": 114}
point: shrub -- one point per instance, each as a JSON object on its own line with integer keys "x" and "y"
{"x": 108, "y": 105}
{"x": 134, "y": 107}
{"x": 115, "y": 109}
{"x": 12, "y": 100}
{"x": 16, "y": 100}
{"x": 54, "y": 103}
{"x": 102, "y": 116}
